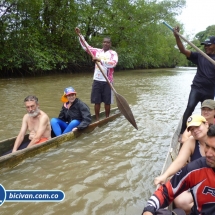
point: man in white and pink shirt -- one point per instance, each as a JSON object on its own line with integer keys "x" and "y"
{"x": 101, "y": 91}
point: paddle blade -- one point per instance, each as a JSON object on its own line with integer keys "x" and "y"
{"x": 124, "y": 108}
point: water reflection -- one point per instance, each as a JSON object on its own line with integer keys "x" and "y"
{"x": 111, "y": 170}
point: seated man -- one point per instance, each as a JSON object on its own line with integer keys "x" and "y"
{"x": 36, "y": 122}
{"x": 198, "y": 176}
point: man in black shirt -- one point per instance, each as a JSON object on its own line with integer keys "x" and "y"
{"x": 203, "y": 84}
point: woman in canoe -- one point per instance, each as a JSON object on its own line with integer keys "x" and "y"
{"x": 208, "y": 111}
{"x": 192, "y": 148}
{"x": 74, "y": 115}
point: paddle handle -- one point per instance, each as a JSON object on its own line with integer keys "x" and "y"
{"x": 191, "y": 44}
{"x": 168, "y": 26}
{"x": 97, "y": 63}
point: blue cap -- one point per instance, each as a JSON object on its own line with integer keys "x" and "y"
{"x": 209, "y": 41}
{"x": 69, "y": 90}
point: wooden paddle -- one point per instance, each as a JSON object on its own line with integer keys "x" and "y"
{"x": 121, "y": 102}
{"x": 191, "y": 44}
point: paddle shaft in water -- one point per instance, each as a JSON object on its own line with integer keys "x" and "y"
{"x": 120, "y": 100}
{"x": 191, "y": 44}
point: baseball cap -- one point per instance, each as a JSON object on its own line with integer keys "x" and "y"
{"x": 195, "y": 120}
{"x": 209, "y": 41}
{"x": 67, "y": 91}
{"x": 210, "y": 103}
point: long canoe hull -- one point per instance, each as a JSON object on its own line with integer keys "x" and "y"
{"x": 173, "y": 148}
{"x": 172, "y": 152}
{"x": 13, "y": 159}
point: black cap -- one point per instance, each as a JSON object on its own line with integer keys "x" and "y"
{"x": 209, "y": 41}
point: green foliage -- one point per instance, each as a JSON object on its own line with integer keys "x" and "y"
{"x": 38, "y": 36}
{"x": 201, "y": 36}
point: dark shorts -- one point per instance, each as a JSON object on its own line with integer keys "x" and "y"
{"x": 101, "y": 92}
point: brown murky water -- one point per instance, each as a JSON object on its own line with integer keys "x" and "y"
{"x": 111, "y": 170}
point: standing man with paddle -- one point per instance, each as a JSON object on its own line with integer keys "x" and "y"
{"x": 108, "y": 59}
{"x": 203, "y": 84}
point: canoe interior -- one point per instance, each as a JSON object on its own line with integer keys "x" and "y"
{"x": 11, "y": 160}
{"x": 6, "y": 145}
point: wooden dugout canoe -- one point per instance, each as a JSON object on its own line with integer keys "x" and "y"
{"x": 173, "y": 149}
{"x": 13, "y": 159}
{"x": 172, "y": 153}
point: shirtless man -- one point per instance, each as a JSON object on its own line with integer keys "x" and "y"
{"x": 36, "y": 122}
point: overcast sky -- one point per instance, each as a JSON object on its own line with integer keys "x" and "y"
{"x": 197, "y": 15}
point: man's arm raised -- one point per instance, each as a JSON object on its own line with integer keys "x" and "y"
{"x": 21, "y": 134}
{"x": 41, "y": 130}
{"x": 180, "y": 45}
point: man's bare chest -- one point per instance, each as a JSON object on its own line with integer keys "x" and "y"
{"x": 33, "y": 123}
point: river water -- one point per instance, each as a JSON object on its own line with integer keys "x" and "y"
{"x": 111, "y": 170}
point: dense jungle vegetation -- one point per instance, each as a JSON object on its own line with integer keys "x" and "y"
{"x": 38, "y": 37}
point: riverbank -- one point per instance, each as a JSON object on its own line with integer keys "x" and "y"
{"x": 70, "y": 70}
